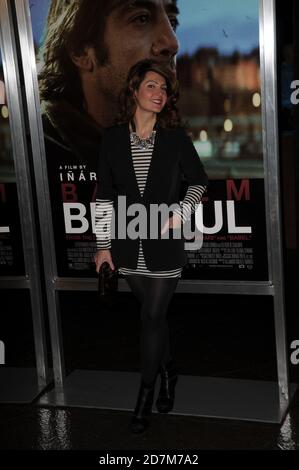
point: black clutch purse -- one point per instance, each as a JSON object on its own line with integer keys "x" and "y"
{"x": 107, "y": 284}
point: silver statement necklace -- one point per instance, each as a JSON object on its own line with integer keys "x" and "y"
{"x": 140, "y": 142}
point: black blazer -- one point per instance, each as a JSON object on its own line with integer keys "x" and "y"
{"x": 174, "y": 156}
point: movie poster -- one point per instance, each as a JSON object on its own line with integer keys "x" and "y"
{"x": 217, "y": 63}
{"x": 234, "y": 233}
{"x": 11, "y": 248}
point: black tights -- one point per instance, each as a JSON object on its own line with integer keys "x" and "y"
{"x": 154, "y": 295}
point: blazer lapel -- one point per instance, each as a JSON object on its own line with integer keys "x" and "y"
{"x": 129, "y": 172}
{"x": 156, "y": 162}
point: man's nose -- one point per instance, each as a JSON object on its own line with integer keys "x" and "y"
{"x": 165, "y": 43}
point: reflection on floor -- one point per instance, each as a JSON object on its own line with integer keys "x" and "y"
{"x": 215, "y": 336}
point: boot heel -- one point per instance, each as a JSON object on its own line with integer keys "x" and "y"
{"x": 143, "y": 408}
{"x": 165, "y": 400}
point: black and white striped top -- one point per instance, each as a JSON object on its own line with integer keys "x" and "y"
{"x": 141, "y": 162}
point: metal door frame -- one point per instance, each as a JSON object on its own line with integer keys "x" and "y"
{"x": 32, "y": 278}
{"x": 273, "y": 287}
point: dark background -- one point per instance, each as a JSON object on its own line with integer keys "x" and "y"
{"x": 211, "y": 333}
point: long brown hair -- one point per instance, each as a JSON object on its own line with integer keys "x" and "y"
{"x": 71, "y": 26}
{"x": 169, "y": 116}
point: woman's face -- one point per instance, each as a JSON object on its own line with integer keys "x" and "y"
{"x": 152, "y": 92}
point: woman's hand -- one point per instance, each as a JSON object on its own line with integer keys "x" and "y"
{"x": 101, "y": 257}
{"x": 173, "y": 222}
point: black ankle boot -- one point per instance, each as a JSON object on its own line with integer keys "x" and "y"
{"x": 169, "y": 377}
{"x": 143, "y": 407}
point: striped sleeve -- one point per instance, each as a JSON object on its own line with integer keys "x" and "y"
{"x": 191, "y": 200}
{"x": 103, "y": 218}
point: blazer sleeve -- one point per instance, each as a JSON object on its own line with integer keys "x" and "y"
{"x": 190, "y": 162}
{"x": 105, "y": 188}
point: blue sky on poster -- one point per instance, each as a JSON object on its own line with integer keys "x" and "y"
{"x": 228, "y": 25}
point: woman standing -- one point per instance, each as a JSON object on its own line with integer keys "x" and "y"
{"x": 143, "y": 159}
